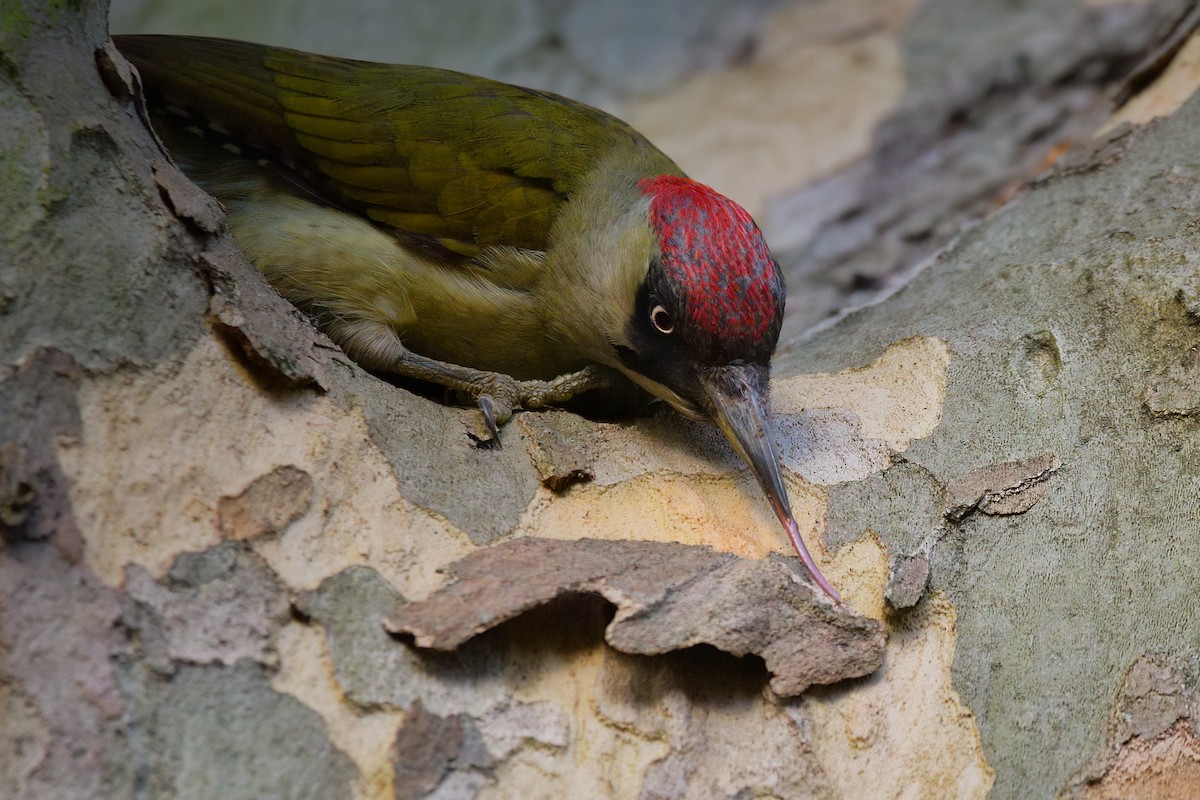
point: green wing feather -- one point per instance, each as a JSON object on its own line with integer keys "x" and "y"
{"x": 463, "y": 160}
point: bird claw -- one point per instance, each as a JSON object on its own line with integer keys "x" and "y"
{"x": 495, "y": 413}
{"x": 499, "y": 395}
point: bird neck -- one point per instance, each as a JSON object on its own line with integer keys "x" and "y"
{"x": 599, "y": 250}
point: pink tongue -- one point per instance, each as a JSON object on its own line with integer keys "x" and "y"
{"x": 793, "y": 531}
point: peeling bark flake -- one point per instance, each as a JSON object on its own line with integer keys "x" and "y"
{"x": 1011, "y": 487}
{"x": 668, "y": 597}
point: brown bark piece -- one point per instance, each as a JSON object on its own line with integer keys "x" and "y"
{"x": 272, "y": 334}
{"x": 1153, "y": 752}
{"x": 1012, "y": 487}
{"x": 668, "y": 597}
{"x": 428, "y": 748}
{"x": 268, "y": 505}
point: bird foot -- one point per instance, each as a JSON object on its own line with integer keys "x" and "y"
{"x": 499, "y": 396}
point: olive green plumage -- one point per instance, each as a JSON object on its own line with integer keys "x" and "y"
{"x": 413, "y": 210}
{"x": 465, "y": 160}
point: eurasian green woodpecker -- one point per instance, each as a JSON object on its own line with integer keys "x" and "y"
{"x": 500, "y": 241}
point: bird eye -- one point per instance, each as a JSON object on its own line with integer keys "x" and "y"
{"x": 661, "y": 319}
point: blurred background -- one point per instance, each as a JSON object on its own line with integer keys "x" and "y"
{"x": 863, "y": 135}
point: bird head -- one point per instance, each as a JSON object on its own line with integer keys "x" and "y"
{"x": 705, "y": 323}
{"x": 710, "y": 304}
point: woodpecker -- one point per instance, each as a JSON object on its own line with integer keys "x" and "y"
{"x": 504, "y": 242}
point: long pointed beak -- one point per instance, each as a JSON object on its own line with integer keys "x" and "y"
{"x": 736, "y": 397}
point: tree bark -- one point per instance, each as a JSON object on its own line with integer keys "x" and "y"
{"x": 236, "y": 565}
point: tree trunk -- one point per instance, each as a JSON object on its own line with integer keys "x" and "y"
{"x": 236, "y": 565}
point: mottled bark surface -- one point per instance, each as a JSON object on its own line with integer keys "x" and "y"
{"x": 212, "y": 519}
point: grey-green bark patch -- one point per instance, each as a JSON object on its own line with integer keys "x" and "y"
{"x": 426, "y": 442}
{"x": 1038, "y": 362}
{"x": 1054, "y": 603}
{"x": 88, "y": 264}
{"x": 223, "y": 732}
{"x": 222, "y": 605}
{"x": 140, "y": 307}
{"x": 374, "y": 669}
{"x": 138, "y": 310}
{"x": 24, "y": 156}
{"x": 905, "y": 505}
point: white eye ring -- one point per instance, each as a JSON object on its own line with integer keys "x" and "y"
{"x": 660, "y": 318}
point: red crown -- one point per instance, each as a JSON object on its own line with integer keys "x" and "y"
{"x": 715, "y": 254}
